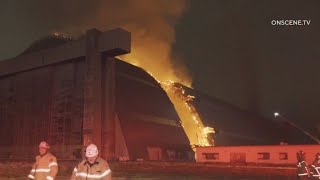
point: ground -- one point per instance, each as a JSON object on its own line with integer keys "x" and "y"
{"x": 163, "y": 170}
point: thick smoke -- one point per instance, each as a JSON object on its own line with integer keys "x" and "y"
{"x": 151, "y": 23}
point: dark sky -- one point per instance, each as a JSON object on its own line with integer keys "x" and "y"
{"x": 235, "y": 54}
{"x": 230, "y": 47}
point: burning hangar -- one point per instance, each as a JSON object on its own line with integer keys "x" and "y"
{"x": 72, "y": 93}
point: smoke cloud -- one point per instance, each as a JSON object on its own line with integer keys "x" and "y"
{"x": 151, "y": 23}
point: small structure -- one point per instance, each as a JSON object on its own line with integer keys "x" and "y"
{"x": 273, "y": 154}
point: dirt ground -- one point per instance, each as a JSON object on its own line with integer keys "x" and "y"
{"x": 162, "y": 170}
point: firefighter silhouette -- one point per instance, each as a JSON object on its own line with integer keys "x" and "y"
{"x": 302, "y": 166}
{"x": 315, "y": 167}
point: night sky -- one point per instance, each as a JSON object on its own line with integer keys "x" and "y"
{"x": 235, "y": 54}
{"x": 230, "y": 48}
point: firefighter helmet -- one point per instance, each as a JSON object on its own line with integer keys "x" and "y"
{"x": 301, "y": 152}
{"x": 91, "y": 151}
{"x": 44, "y": 144}
{"x": 301, "y": 155}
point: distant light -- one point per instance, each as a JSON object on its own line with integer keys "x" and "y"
{"x": 276, "y": 114}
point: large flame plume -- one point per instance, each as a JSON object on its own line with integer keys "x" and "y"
{"x": 152, "y": 28}
{"x": 153, "y": 37}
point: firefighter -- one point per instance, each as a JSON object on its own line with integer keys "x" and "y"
{"x": 92, "y": 167}
{"x": 315, "y": 167}
{"x": 302, "y": 166}
{"x": 46, "y": 166}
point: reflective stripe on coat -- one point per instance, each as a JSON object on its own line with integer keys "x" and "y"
{"x": 45, "y": 168}
{"x": 99, "y": 170}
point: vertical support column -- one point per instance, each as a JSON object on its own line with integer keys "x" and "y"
{"x": 92, "y": 91}
{"x": 108, "y": 130}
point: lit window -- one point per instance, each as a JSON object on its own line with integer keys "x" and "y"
{"x": 283, "y": 156}
{"x": 213, "y": 156}
{"x": 263, "y": 156}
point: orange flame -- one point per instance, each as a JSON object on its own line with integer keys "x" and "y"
{"x": 192, "y": 124}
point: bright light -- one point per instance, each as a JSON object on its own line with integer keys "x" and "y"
{"x": 276, "y": 114}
